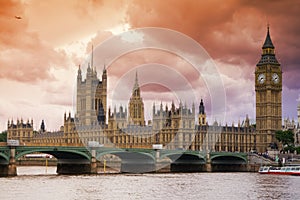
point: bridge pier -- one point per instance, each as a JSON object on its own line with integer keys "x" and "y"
{"x": 163, "y": 167}
{"x": 208, "y": 163}
{"x": 93, "y": 164}
{"x": 9, "y": 169}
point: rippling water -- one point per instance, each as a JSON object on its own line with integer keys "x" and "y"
{"x": 147, "y": 186}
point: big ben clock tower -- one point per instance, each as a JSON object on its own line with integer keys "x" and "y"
{"x": 268, "y": 87}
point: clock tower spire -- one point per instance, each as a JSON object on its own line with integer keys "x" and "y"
{"x": 268, "y": 87}
{"x": 136, "y": 105}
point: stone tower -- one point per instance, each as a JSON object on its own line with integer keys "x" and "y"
{"x": 136, "y": 106}
{"x": 268, "y": 87}
{"x": 202, "y": 115}
{"x": 91, "y": 101}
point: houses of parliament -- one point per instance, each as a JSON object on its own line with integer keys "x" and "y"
{"x": 172, "y": 127}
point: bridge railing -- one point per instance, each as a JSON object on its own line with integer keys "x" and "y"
{"x": 58, "y": 144}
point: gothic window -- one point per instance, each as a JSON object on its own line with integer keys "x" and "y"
{"x": 135, "y": 110}
{"x": 157, "y": 138}
{"x": 139, "y": 113}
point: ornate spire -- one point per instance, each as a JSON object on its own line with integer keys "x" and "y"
{"x": 136, "y": 106}
{"x": 42, "y": 126}
{"x": 79, "y": 77}
{"x": 201, "y": 108}
{"x": 79, "y": 71}
{"x": 268, "y": 54}
{"x": 173, "y": 106}
{"x": 89, "y": 68}
{"x": 193, "y": 108}
{"x": 268, "y": 42}
{"x": 104, "y": 68}
{"x": 136, "y": 84}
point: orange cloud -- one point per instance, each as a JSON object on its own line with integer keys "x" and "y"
{"x": 24, "y": 56}
{"x": 231, "y": 32}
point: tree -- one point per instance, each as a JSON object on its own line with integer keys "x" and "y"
{"x": 273, "y": 145}
{"x": 3, "y": 136}
{"x": 285, "y": 137}
{"x": 298, "y": 150}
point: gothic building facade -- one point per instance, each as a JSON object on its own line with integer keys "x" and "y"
{"x": 91, "y": 101}
{"x": 22, "y": 131}
{"x": 174, "y": 127}
{"x": 136, "y": 105}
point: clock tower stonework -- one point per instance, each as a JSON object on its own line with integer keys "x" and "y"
{"x": 268, "y": 88}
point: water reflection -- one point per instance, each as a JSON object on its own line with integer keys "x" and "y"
{"x": 147, "y": 186}
{"x": 276, "y": 186}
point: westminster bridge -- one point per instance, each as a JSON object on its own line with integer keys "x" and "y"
{"x": 83, "y": 160}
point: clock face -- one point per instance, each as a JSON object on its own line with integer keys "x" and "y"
{"x": 275, "y": 78}
{"x": 261, "y": 78}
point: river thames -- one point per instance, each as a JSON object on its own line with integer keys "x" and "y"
{"x": 33, "y": 183}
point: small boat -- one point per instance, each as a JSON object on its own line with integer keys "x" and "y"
{"x": 286, "y": 170}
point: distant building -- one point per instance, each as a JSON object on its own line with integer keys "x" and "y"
{"x": 289, "y": 124}
{"x": 22, "y": 131}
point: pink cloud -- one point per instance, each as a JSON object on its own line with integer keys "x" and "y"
{"x": 232, "y": 34}
{"x": 24, "y": 56}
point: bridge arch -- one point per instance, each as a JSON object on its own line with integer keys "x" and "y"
{"x": 228, "y": 162}
{"x": 132, "y": 161}
{"x": 185, "y": 161}
{"x": 185, "y": 155}
{"x": 4, "y": 158}
{"x": 228, "y": 159}
{"x": 70, "y": 160}
{"x": 127, "y": 154}
{"x": 57, "y": 153}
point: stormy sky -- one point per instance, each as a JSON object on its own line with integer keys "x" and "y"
{"x": 43, "y": 42}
